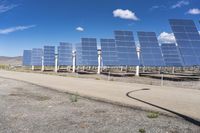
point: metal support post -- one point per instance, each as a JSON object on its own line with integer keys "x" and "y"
{"x": 138, "y": 67}
{"x": 74, "y": 61}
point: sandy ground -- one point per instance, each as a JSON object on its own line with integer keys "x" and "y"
{"x": 133, "y": 79}
{"x": 147, "y": 81}
{"x": 30, "y": 108}
{"x": 183, "y": 101}
{"x": 140, "y": 80}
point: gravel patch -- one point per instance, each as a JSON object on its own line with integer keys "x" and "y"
{"x": 26, "y": 108}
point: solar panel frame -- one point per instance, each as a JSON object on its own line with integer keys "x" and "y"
{"x": 26, "y": 58}
{"x": 109, "y": 52}
{"x": 65, "y": 54}
{"x": 126, "y": 48}
{"x": 171, "y": 55}
{"x": 36, "y": 56}
{"x": 188, "y": 40}
{"x": 150, "y": 51}
{"x": 49, "y": 55}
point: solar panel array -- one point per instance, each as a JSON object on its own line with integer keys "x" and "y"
{"x": 36, "y": 57}
{"x": 126, "y": 49}
{"x": 188, "y": 40}
{"x": 89, "y": 51}
{"x": 109, "y": 53}
{"x": 171, "y": 55}
{"x": 150, "y": 50}
{"x": 49, "y": 55}
{"x": 65, "y": 54}
{"x": 121, "y": 51}
{"x": 27, "y": 58}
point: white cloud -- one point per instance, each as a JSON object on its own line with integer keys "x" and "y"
{"x": 5, "y": 7}
{"x": 81, "y": 29}
{"x": 194, "y": 11}
{"x": 125, "y": 14}
{"x": 14, "y": 29}
{"x": 165, "y": 37}
{"x": 180, "y": 4}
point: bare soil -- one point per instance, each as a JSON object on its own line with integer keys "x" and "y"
{"x": 27, "y": 108}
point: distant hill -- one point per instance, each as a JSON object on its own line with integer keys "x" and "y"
{"x": 4, "y": 60}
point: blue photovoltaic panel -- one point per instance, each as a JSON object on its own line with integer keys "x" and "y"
{"x": 171, "y": 55}
{"x": 89, "y": 51}
{"x": 65, "y": 54}
{"x": 126, "y": 49}
{"x": 188, "y": 40}
{"x": 150, "y": 52}
{"x": 27, "y": 58}
{"x": 109, "y": 53}
{"x": 78, "y": 49}
{"x": 49, "y": 55}
{"x": 36, "y": 57}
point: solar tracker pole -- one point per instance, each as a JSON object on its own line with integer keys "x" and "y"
{"x": 109, "y": 76}
{"x": 138, "y": 67}
{"x": 56, "y": 63}
{"x": 74, "y": 61}
{"x": 32, "y": 68}
{"x": 126, "y": 68}
{"x": 162, "y": 76}
{"x": 121, "y": 68}
{"x": 42, "y": 64}
{"x": 99, "y": 62}
{"x": 173, "y": 70}
{"x": 137, "y": 71}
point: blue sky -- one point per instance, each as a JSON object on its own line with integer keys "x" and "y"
{"x": 27, "y": 24}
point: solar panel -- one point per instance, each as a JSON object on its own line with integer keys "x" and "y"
{"x": 109, "y": 53}
{"x": 65, "y": 54}
{"x": 126, "y": 49}
{"x": 150, "y": 50}
{"x": 36, "y": 57}
{"x": 89, "y": 51}
{"x": 188, "y": 40}
{"x": 49, "y": 55}
{"x": 171, "y": 55}
{"x": 27, "y": 58}
{"x": 78, "y": 49}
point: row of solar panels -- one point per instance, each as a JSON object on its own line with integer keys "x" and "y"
{"x": 121, "y": 51}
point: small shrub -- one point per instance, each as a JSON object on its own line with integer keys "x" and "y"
{"x": 97, "y": 78}
{"x": 153, "y": 115}
{"x": 74, "y": 98}
{"x": 142, "y": 130}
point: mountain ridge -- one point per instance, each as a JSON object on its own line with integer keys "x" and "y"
{"x": 7, "y": 60}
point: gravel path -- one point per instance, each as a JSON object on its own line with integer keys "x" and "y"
{"x": 26, "y": 108}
